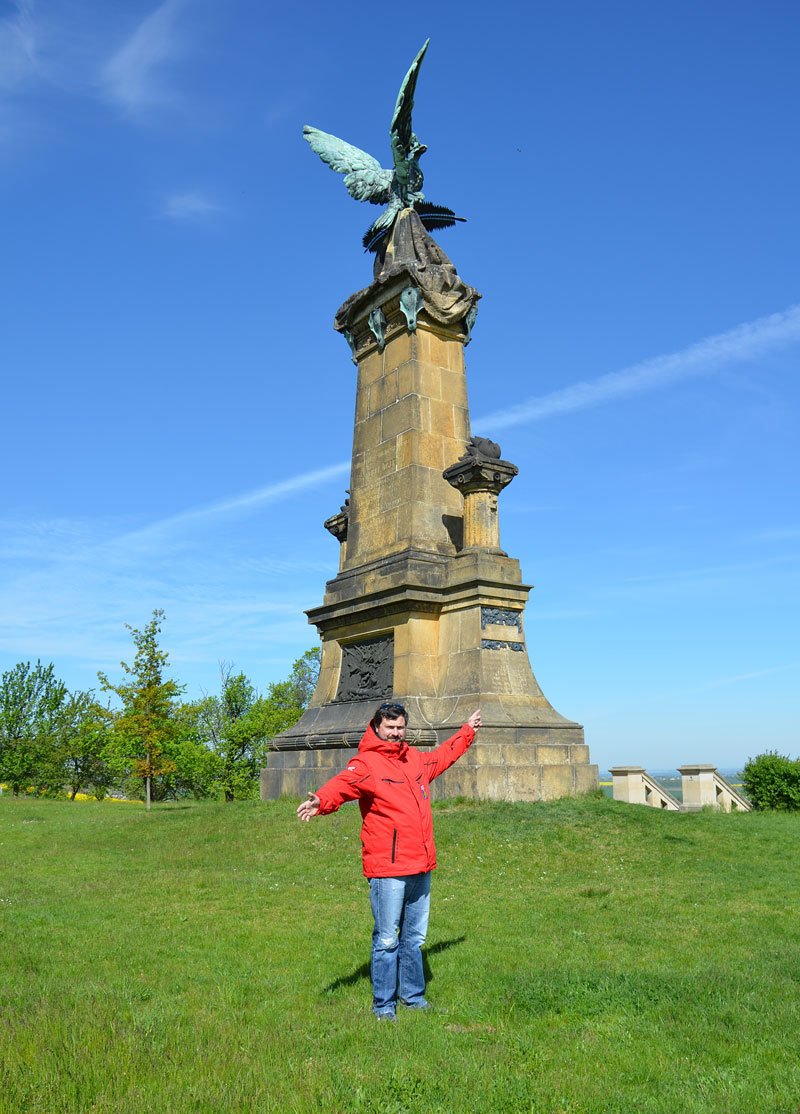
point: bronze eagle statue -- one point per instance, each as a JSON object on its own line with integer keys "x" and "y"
{"x": 365, "y": 178}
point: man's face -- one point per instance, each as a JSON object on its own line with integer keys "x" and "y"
{"x": 392, "y": 730}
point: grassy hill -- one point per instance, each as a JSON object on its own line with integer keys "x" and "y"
{"x": 585, "y": 956}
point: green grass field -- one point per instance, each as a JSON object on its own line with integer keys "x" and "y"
{"x": 583, "y": 956}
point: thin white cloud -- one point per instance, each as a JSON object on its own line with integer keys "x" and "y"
{"x": 704, "y": 574}
{"x": 20, "y": 68}
{"x": 18, "y": 56}
{"x": 66, "y": 595}
{"x": 743, "y": 678}
{"x": 73, "y": 49}
{"x": 192, "y": 206}
{"x": 745, "y": 342}
{"x": 73, "y": 608}
{"x": 133, "y": 77}
{"x": 28, "y": 541}
{"x": 69, "y": 600}
{"x": 238, "y": 504}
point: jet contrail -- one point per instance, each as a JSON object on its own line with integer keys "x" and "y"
{"x": 249, "y": 500}
{"x": 745, "y": 342}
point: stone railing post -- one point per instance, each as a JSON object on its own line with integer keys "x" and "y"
{"x": 628, "y": 784}
{"x": 634, "y": 786}
{"x": 703, "y": 786}
{"x": 697, "y": 785}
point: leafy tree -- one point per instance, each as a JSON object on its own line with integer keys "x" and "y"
{"x": 233, "y": 726}
{"x": 31, "y": 698}
{"x": 194, "y": 766}
{"x": 83, "y": 734}
{"x": 772, "y": 780}
{"x": 238, "y": 724}
{"x": 287, "y": 700}
{"x": 146, "y": 728}
{"x": 304, "y": 677}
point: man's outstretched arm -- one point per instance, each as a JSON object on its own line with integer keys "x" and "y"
{"x": 438, "y": 760}
{"x": 308, "y": 808}
{"x": 349, "y": 785}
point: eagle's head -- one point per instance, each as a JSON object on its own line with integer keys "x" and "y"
{"x": 415, "y": 148}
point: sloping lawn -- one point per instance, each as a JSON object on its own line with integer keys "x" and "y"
{"x": 584, "y": 956}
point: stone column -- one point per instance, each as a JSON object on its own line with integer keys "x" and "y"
{"x": 480, "y": 480}
{"x": 411, "y": 419}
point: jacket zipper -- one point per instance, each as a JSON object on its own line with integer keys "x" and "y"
{"x": 394, "y": 843}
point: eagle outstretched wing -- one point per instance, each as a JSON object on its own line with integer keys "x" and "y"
{"x": 364, "y": 177}
{"x": 400, "y": 130}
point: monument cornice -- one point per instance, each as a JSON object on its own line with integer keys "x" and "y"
{"x": 377, "y": 317}
{"x": 433, "y": 570}
{"x": 466, "y": 585}
{"x": 413, "y": 276}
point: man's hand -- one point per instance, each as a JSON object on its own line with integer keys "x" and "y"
{"x": 474, "y": 720}
{"x": 308, "y": 808}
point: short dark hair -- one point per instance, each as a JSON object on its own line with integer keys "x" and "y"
{"x": 389, "y": 710}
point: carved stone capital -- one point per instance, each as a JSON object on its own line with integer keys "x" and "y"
{"x": 476, "y": 474}
{"x": 480, "y": 479}
{"x": 337, "y": 525}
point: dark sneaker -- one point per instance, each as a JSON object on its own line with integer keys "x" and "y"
{"x": 385, "y": 1015}
{"x": 420, "y": 1004}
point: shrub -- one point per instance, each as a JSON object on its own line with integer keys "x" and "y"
{"x": 772, "y": 780}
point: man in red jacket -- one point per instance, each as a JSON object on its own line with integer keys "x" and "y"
{"x": 391, "y": 782}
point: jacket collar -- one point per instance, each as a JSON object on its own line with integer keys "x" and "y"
{"x": 371, "y": 742}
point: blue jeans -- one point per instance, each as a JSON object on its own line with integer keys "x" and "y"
{"x": 400, "y": 907}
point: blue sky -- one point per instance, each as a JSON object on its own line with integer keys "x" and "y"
{"x": 177, "y": 415}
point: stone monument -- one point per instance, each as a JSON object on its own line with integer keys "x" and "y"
{"x": 426, "y": 608}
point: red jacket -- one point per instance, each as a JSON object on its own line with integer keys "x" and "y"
{"x": 392, "y": 786}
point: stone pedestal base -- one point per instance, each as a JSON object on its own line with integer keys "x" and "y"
{"x": 499, "y": 767}
{"x": 453, "y": 640}
{"x": 503, "y": 764}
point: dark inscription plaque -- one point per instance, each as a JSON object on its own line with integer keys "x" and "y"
{"x": 367, "y": 669}
{"x": 500, "y": 616}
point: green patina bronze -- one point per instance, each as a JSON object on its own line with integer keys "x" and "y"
{"x": 365, "y": 178}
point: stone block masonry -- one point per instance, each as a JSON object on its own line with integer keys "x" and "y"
{"x": 426, "y": 607}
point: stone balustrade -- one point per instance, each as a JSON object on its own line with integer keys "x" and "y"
{"x": 635, "y": 786}
{"x": 701, "y": 787}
